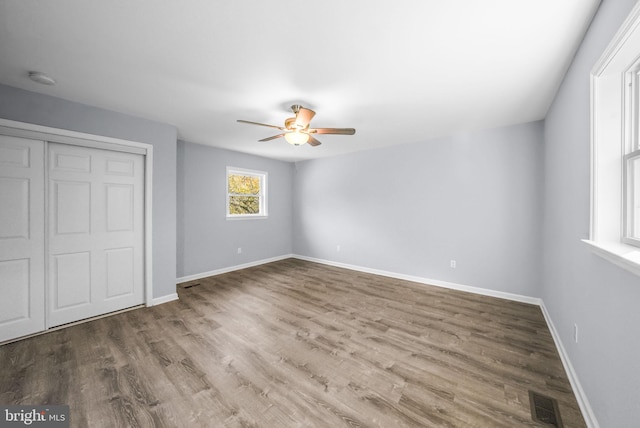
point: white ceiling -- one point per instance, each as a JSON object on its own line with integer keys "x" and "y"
{"x": 398, "y": 71}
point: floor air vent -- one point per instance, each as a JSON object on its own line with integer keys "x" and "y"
{"x": 544, "y": 409}
{"x": 191, "y": 285}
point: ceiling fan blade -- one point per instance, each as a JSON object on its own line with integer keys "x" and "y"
{"x": 272, "y": 138}
{"x": 313, "y": 142}
{"x": 303, "y": 117}
{"x": 338, "y": 131}
{"x": 261, "y": 124}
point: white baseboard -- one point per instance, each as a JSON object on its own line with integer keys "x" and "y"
{"x": 231, "y": 268}
{"x": 427, "y": 281}
{"x": 583, "y": 402}
{"x": 164, "y": 299}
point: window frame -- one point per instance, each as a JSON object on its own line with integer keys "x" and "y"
{"x": 262, "y": 196}
{"x": 631, "y": 173}
{"x": 614, "y": 137}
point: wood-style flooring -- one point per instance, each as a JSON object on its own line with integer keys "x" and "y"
{"x": 298, "y": 344}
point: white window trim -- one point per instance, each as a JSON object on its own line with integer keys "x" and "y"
{"x": 609, "y": 143}
{"x": 264, "y": 212}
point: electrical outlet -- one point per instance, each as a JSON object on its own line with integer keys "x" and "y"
{"x": 338, "y": 248}
{"x": 239, "y": 250}
{"x": 452, "y": 264}
{"x": 575, "y": 333}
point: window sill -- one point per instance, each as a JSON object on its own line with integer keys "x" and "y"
{"x": 248, "y": 217}
{"x": 622, "y": 255}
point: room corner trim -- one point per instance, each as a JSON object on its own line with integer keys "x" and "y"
{"x": 581, "y": 397}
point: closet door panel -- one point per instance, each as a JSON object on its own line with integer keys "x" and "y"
{"x": 22, "y": 289}
{"x": 72, "y": 207}
{"x": 96, "y": 200}
{"x": 71, "y": 280}
{"x": 14, "y": 216}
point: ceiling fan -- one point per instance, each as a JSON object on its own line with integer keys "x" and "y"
{"x": 296, "y": 129}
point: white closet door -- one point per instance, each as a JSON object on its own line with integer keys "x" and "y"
{"x": 21, "y": 237}
{"x": 95, "y": 232}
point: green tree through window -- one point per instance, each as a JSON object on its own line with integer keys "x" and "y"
{"x": 245, "y": 193}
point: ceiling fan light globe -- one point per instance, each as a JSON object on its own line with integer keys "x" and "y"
{"x": 296, "y": 138}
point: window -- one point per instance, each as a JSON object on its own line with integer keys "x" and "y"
{"x": 246, "y": 193}
{"x": 631, "y": 161}
{"x": 615, "y": 148}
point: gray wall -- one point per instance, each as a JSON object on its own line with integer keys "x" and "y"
{"x": 207, "y": 241}
{"x": 24, "y": 106}
{"x": 473, "y": 197}
{"x": 579, "y": 287}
